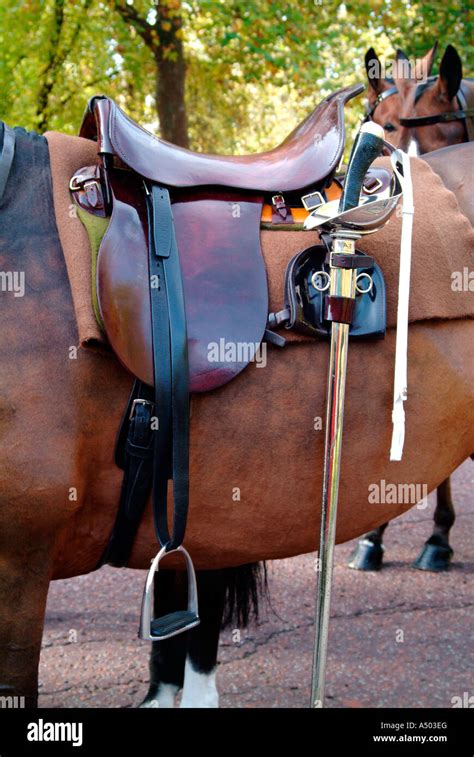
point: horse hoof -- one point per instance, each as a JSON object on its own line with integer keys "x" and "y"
{"x": 366, "y": 556}
{"x": 434, "y": 557}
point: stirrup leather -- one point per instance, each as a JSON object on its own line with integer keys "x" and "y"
{"x": 174, "y": 623}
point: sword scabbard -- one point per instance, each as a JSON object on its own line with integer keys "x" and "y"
{"x": 343, "y": 288}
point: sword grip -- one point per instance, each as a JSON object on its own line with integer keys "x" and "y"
{"x": 368, "y": 146}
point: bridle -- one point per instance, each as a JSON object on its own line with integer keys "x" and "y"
{"x": 380, "y": 98}
{"x": 464, "y": 113}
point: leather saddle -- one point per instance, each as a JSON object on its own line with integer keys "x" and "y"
{"x": 307, "y": 157}
{"x": 217, "y": 205}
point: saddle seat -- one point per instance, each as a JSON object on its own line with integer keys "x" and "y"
{"x": 305, "y": 158}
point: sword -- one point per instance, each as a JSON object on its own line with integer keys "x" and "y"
{"x": 339, "y": 309}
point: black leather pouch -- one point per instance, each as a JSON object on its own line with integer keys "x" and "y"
{"x": 306, "y": 304}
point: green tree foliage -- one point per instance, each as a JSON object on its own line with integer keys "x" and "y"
{"x": 254, "y": 68}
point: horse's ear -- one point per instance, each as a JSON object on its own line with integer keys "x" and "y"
{"x": 374, "y": 70}
{"x": 450, "y": 73}
{"x": 402, "y": 72}
{"x": 424, "y": 66}
{"x": 401, "y": 55}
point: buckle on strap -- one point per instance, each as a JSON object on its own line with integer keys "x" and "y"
{"x": 372, "y": 185}
{"x": 174, "y": 623}
{"x": 142, "y": 402}
{"x": 81, "y": 181}
{"x": 278, "y": 201}
{"x": 312, "y": 200}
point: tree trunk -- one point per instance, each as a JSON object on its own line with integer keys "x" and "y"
{"x": 51, "y": 69}
{"x": 170, "y": 100}
{"x": 171, "y": 78}
{"x": 164, "y": 39}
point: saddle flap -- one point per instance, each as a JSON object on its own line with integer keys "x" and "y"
{"x": 224, "y": 279}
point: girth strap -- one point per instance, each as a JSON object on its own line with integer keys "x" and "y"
{"x": 134, "y": 455}
{"x": 171, "y": 373}
{"x": 6, "y": 158}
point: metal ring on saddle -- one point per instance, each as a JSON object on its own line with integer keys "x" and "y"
{"x": 321, "y": 275}
{"x": 370, "y": 283}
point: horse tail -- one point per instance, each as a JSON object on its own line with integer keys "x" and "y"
{"x": 246, "y": 585}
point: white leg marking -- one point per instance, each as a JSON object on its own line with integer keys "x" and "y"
{"x": 200, "y": 689}
{"x": 164, "y": 699}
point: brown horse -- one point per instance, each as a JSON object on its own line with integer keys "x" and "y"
{"x": 412, "y": 93}
{"x": 388, "y": 101}
{"x": 384, "y": 101}
{"x": 439, "y": 111}
{"x": 60, "y": 408}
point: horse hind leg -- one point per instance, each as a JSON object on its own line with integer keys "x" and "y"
{"x": 437, "y": 553}
{"x": 191, "y": 658}
{"x": 187, "y": 661}
{"x": 368, "y": 554}
{"x": 24, "y": 582}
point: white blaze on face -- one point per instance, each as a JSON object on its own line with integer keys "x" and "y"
{"x": 412, "y": 148}
{"x": 200, "y": 689}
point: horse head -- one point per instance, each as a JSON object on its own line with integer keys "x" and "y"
{"x": 386, "y": 94}
{"x": 434, "y": 110}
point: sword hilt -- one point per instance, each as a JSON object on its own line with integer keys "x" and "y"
{"x": 368, "y": 146}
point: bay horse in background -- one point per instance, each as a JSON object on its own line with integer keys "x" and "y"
{"x": 397, "y": 104}
{"x": 432, "y": 111}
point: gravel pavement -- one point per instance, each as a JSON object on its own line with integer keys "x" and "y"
{"x": 398, "y": 638}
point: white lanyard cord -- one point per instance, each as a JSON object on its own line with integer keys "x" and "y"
{"x": 400, "y": 383}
